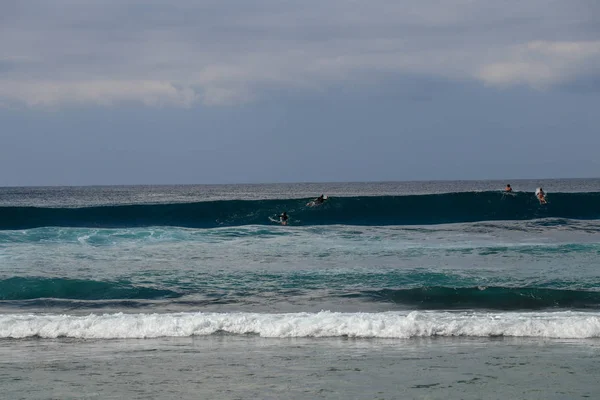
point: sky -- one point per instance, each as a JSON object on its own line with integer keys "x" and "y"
{"x": 102, "y": 92}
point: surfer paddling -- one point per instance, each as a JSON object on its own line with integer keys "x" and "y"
{"x": 318, "y": 201}
{"x": 508, "y": 189}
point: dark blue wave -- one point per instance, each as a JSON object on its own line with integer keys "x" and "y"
{"x": 23, "y": 292}
{"x": 382, "y": 210}
{"x": 19, "y": 288}
{"x": 498, "y": 298}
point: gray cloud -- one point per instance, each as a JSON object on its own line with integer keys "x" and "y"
{"x": 223, "y": 52}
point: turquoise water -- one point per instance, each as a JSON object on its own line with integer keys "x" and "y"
{"x": 98, "y": 269}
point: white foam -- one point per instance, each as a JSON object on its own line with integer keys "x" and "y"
{"x": 323, "y": 324}
{"x": 83, "y": 239}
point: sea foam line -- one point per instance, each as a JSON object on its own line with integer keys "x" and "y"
{"x": 572, "y": 325}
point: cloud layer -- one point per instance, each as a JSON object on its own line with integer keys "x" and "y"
{"x": 228, "y": 52}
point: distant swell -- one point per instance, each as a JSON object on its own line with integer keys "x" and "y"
{"x": 65, "y": 293}
{"x": 496, "y": 298}
{"x": 324, "y": 324}
{"x": 77, "y": 289}
{"x": 382, "y": 210}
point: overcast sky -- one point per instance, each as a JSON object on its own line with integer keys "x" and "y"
{"x": 217, "y": 91}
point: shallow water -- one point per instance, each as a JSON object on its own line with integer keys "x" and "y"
{"x": 234, "y": 367}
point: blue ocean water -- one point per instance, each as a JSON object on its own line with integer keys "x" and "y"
{"x": 94, "y": 269}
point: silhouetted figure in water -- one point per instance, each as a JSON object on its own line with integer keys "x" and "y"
{"x": 283, "y": 218}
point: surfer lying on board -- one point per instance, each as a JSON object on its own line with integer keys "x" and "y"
{"x": 320, "y": 199}
{"x": 508, "y": 188}
{"x": 541, "y": 196}
{"x": 283, "y": 218}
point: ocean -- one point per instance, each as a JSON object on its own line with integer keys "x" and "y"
{"x": 390, "y": 290}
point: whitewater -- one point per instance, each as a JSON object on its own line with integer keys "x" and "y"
{"x": 566, "y": 325}
{"x": 434, "y": 285}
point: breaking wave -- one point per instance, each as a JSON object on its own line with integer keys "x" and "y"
{"x": 376, "y": 210}
{"x": 573, "y": 325}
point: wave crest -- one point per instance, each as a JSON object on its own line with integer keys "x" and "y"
{"x": 376, "y": 210}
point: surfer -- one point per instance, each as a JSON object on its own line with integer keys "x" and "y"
{"x": 283, "y": 218}
{"x": 541, "y": 195}
{"x": 508, "y": 188}
{"x": 320, "y": 199}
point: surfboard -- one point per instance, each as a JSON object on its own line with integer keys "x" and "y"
{"x": 274, "y": 220}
